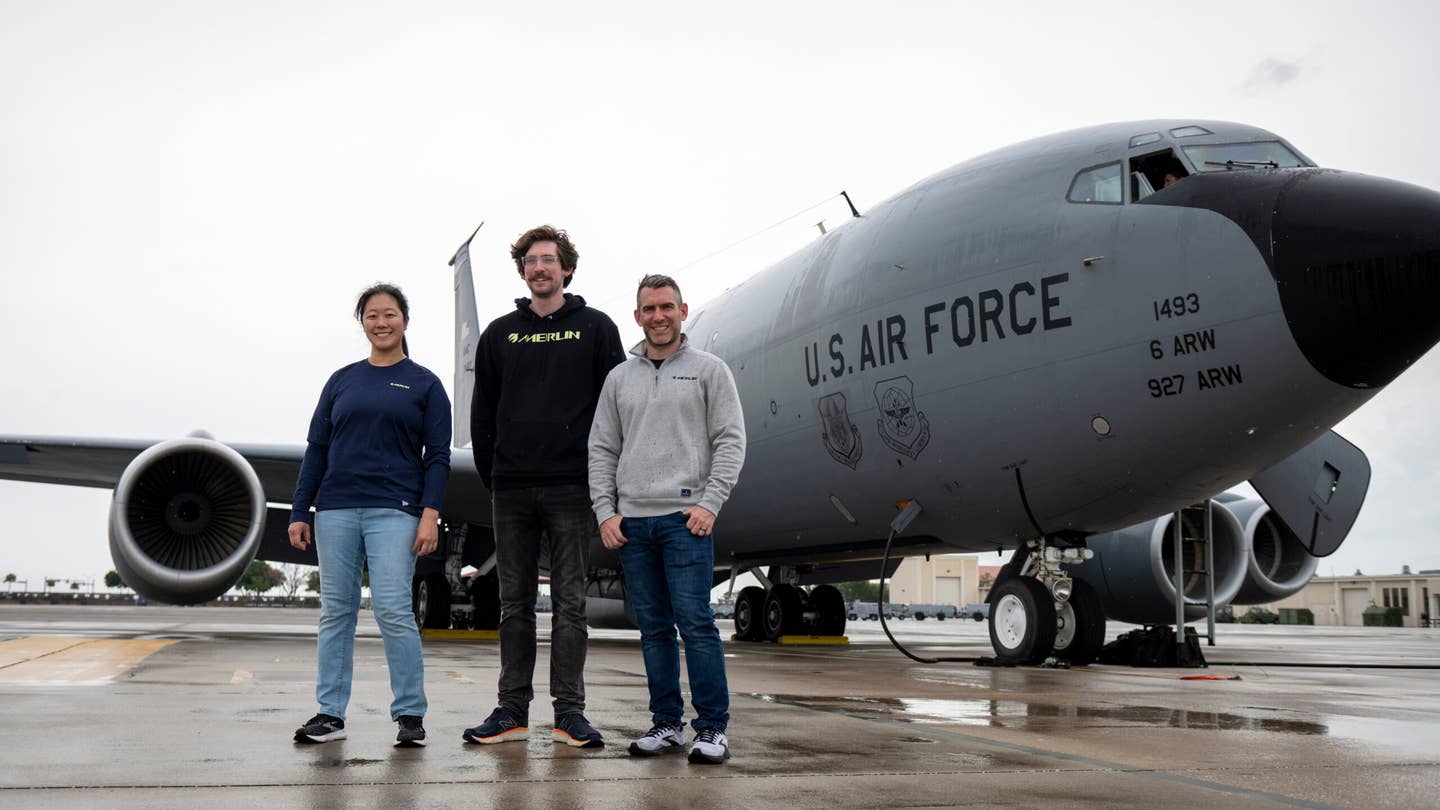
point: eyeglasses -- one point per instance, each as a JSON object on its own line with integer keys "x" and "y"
{"x": 548, "y": 259}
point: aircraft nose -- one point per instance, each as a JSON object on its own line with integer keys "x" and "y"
{"x": 1357, "y": 263}
{"x": 1356, "y": 260}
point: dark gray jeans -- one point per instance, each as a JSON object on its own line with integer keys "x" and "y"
{"x": 558, "y": 521}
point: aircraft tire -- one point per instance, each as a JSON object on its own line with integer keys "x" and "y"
{"x": 782, "y": 612}
{"x": 432, "y": 602}
{"x": 830, "y": 605}
{"x": 1022, "y": 621}
{"x": 1080, "y": 626}
{"x": 485, "y": 603}
{"x": 749, "y": 614}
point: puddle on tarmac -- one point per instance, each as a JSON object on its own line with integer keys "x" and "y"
{"x": 1380, "y": 731}
{"x": 1023, "y": 716}
{"x": 1020, "y": 715}
{"x": 344, "y": 763}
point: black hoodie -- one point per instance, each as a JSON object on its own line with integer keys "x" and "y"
{"x": 536, "y": 383}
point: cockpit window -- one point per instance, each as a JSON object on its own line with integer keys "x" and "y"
{"x": 1141, "y": 140}
{"x": 1097, "y": 184}
{"x": 1189, "y": 132}
{"x": 1220, "y": 157}
{"x": 1155, "y": 171}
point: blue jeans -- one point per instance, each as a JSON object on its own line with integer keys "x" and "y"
{"x": 344, "y": 540}
{"x": 557, "y": 521}
{"x": 668, "y": 576}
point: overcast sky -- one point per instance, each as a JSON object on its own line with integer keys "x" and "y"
{"x": 191, "y": 194}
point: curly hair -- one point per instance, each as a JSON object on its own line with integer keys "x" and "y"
{"x": 569, "y": 256}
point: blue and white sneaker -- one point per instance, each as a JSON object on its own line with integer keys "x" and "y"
{"x": 663, "y": 738}
{"x": 575, "y": 731}
{"x": 709, "y": 747}
{"x": 501, "y": 726}
{"x": 321, "y": 728}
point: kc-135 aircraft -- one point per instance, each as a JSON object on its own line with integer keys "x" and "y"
{"x": 1053, "y": 348}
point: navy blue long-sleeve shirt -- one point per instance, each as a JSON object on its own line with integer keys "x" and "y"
{"x": 380, "y": 437}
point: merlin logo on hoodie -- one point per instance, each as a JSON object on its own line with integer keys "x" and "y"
{"x": 544, "y": 337}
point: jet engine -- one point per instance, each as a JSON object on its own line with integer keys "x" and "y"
{"x": 1134, "y": 568}
{"x": 186, "y": 520}
{"x": 1277, "y": 565}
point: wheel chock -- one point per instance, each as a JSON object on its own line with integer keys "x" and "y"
{"x": 461, "y": 635}
{"x": 816, "y": 641}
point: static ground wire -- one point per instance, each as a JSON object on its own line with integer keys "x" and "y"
{"x": 896, "y": 526}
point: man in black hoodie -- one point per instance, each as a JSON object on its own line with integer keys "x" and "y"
{"x": 538, "y": 374}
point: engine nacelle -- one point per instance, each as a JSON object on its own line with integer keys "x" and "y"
{"x": 1134, "y": 568}
{"x": 607, "y": 606}
{"x": 1277, "y": 565}
{"x": 186, "y": 520}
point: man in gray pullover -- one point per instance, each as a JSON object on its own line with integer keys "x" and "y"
{"x": 666, "y": 448}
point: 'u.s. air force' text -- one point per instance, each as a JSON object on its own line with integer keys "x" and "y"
{"x": 995, "y": 314}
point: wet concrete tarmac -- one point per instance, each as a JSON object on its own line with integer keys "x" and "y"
{"x": 208, "y": 720}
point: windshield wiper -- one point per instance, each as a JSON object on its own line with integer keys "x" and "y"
{"x": 1247, "y": 164}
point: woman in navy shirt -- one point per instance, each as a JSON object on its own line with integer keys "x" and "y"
{"x": 375, "y": 470}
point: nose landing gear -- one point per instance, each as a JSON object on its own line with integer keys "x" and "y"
{"x": 1037, "y": 610}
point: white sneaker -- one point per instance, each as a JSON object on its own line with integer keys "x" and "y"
{"x": 709, "y": 747}
{"x": 661, "y": 739}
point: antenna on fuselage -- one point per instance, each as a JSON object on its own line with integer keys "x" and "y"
{"x": 853, "y": 210}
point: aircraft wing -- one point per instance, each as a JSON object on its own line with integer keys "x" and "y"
{"x": 98, "y": 462}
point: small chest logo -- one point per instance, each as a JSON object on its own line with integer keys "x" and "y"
{"x": 679, "y": 377}
{"x": 685, "y": 493}
{"x": 400, "y": 385}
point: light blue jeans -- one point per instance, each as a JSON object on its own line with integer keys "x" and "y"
{"x": 344, "y": 540}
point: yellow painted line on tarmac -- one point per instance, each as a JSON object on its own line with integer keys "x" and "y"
{"x": 19, "y": 650}
{"x": 74, "y": 661}
{"x": 462, "y": 635}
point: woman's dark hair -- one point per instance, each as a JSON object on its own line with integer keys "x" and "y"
{"x": 392, "y": 291}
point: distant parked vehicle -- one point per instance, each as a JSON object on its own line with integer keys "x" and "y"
{"x": 723, "y": 610}
{"x": 923, "y": 611}
{"x": 1225, "y": 614}
{"x": 1259, "y": 615}
{"x": 867, "y": 611}
{"x": 870, "y": 611}
{"x": 979, "y": 611}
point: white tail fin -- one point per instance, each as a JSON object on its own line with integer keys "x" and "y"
{"x": 467, "y": 335}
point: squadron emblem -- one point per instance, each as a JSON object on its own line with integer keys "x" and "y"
{"x": 842, "y": 437}
{"x": 902, "y": 428}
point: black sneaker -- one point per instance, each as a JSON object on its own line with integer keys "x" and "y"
{"x": 412, "y": 732}
{"x": 709, "y": 747}
{"x": 575, "y": 731}
{"x": 321, "y": 728}
{"x": 501, "y": 726}
{"x": 663, "y": 738}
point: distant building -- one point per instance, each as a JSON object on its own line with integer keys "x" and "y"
{"x": 1341, "y": 601}
{"x": 944, "y": 579}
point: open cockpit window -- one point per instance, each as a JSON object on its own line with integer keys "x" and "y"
{"x": 1152, "y": 172}
{"x": 1221, "y": 157}
{"x": 1097, "y": 184}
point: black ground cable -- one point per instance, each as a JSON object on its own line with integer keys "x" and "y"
{"x": 899, "y": 523}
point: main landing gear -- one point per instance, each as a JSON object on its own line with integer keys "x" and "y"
{"x": 788, "y": 610}
{"x": 1038, "y": 611}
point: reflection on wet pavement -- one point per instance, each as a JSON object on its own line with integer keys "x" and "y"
{"x": 1039, "y": 716}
